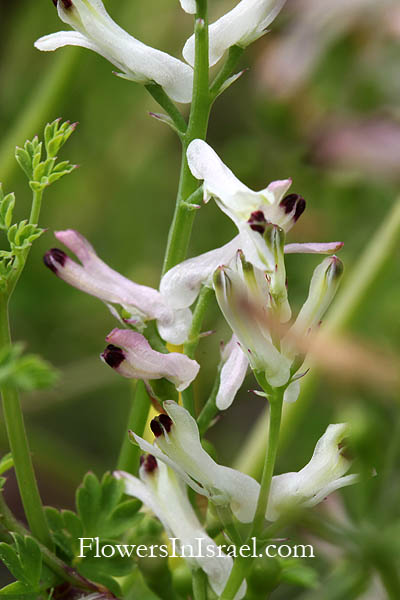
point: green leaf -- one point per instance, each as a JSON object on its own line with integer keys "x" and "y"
{"x": 30, "y": 558}
{"x": 6, "y": 463}
{"x": 88, "y": 498}
{"x": 10, "y": 558}
{"x": 6, "y": 211}
{"x": 18, "y": 591}
{"x": 122, "y": 517}
{"x": 73, "y": 524}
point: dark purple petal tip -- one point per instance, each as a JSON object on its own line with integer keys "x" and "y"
{"x": 293, "y": 202}
{"x": 113, "y": 356}
{"x": 53, "y": 257}
{"x": 149, "y": 463}
{"x": 257, "y": 221}
{"x": 160, "y": 424}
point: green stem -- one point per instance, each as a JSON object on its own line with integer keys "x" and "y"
{"x": 226, "y": 518}
{"x": 166, "y": 103}
{"x": 203, "y": 302}
{"x": 19, "y": 446}
{"x": 36, "y": 206}
{"x": 210, "y": 410}
{"x": 236, "y": 578}
{"x": 193, "y": 340}
{"x": 356, "y": 286}
{"x": 181, "y": 226}
{"x": 275, "y": 415}
{"x": 199, "y": 584}
{"x": 129, "y": 454}
{"x": 235, "y": 52}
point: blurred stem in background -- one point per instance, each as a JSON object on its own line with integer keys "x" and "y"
{"x": 358, "y": 282}
{"x": 41, "y": 103}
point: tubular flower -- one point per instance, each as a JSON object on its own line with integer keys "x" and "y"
{"x": 95, "y": 30}
{"x": 177, "y": 444}
{"x": 250, "y": 211}
{"x": 181, "y": 285}
{"x": 94, "y": 277}
{"x": 131, "y": 355}
{"x": 165, "y": 495}
{"x": 239, "y": 27}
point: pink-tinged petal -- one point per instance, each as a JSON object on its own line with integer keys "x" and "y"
{"x": 96, "y": 278}
{"x": 279, "y": 188}
{"x": 131, "y": 355}
{"x": 313, "y": 248}
{"x": 233, "y": 373}
{"x": 181, "y": 285}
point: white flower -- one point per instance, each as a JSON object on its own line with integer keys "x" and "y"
{"x": 250, "y": 211}
{"x": 239, "y": 27}
{"x": 233, "y": 372}
{"x": 165, "y": 495}
{"x": 178, "y": 445}
{"x": 96, "y": 31}
{"x": 319, "y": 478}
{"x": 131, "y": 355}
{"x": 189, "y": 6}
{"x": 96, "y": 278}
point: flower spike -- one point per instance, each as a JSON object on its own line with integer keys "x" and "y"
{"x": 131, "y": 355}
{"x": 96, "y": 31}
{"x": 96, "y": 278}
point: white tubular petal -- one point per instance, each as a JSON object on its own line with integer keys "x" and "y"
{"x": 321, "y": 476}
{"x": 232, "y": 375}
{"x": 164, "y": 494}
{"x": 159, "y": 454}
{"x": 189, "y": 6}
{"x": 181, "y": 285}
{"x": 241, "y": 26}
{"x": 51, "y": 42}
{"x": 137, "y": 61}
{"x": 180, "y": 441}
{"x": 292, "y": 392}
{"x": 97, "y": 279}
{"x": 313, "y": 248}
{"x": 219, "y": 181}
{"x": 139, "y": 361}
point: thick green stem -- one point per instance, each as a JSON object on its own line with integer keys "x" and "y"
{"x": 275, "y": 415}
{"x": 36, "y": 206}
{"x": 181, "y": 226}
{"x": 19, "y": 446}
{"x": 236, "y": 578}
{"x": 129, "y": 454}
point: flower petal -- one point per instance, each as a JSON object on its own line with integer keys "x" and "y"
{"x": 137, "y": 61}
{"x": 189, "y": 6}
{"x": 313, "y": 248}
{"x": 53, "y": 41}
{"x": 181, "y": 285}
{"x": 97, "y": 279}
{"x": 138, "y": 360}
{"x": 292, "y": 392}
{"x": 232, "y": 375}
{"x": 241, "y": 26}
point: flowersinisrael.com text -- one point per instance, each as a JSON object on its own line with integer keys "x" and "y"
{"x": 175, "y": 549}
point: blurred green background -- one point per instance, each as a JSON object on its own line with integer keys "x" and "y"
{"x": 122, "y": 200}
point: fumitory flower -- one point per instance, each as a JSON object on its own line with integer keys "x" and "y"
{"x": 233, "y": 371}
{"x": 250, "y": 211}
{"x": 131, "y": 355}
{"x": 177, "y": 444}
{"x": 241, "y": 26}
{"x": 95, "y": 30}
{"x": 165, "y": 495}
{"x": 93, "y": 276}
